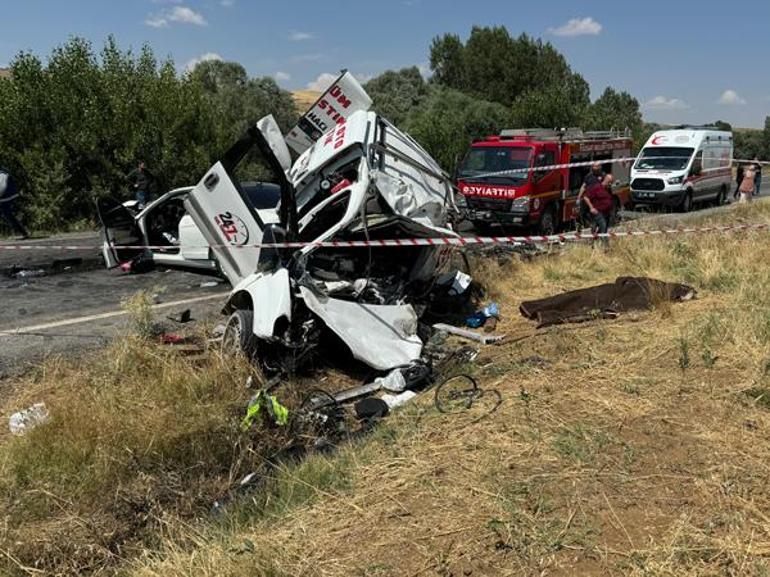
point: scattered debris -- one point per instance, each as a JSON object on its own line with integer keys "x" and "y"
{"x": 471, "y": 335}
{"x": 604, "y": 301}
{"x": 138, "y": 265}
{"x": 28, "y": 273}
{"x": 173, "y": 339}
{"x": 22, "y": 422}
{"x": 209, "y": 284}
{"x": 182, "y": 318}
{"x": 479, "y": 318}
{"x": 461, "y": 392}
{"x": 276, "y": 411}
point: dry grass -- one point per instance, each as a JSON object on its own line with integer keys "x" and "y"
{"x": 634, "y": 447}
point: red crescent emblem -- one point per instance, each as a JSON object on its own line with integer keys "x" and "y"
{"x": 657, "y": 140}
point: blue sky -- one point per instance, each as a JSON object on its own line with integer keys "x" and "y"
{"x": 685, "y": 61}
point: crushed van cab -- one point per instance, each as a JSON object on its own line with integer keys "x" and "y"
{"x": 362, "y": 180}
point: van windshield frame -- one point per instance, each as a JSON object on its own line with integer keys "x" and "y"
{"x": 664, "y": 158}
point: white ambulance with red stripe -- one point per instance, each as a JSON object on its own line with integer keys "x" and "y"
{"x": 681, "y": 167}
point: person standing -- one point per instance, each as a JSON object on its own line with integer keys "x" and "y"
{"x": 9, "y": 193}
{"x": 594, "y": 176}
{"x": 757, "y": 176}
{"x": 738, "y": 181}
{"x": 748, "y": 185}
{"x": 142, "y": 180}
{"x": 600, "y": 203}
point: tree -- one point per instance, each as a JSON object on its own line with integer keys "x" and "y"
{"x": 447, "y": 121}
{"x": 446, "y": 61}
{"x": 395, "y": 93}
{"x": 72, "y": 129}
{"x": 555, "y": 107}
{"x": 494, "y": 66}
{"x": 766, "y": 138}
{"x": 618, "y": 110}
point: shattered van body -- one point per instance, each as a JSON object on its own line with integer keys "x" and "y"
{"x": 362, "y": 180}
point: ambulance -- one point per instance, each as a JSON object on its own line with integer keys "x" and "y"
{"x": 682, "y": 167}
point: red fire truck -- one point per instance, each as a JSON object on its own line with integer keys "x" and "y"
{"x": 540, "y": 198}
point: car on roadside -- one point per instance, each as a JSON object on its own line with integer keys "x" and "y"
{"x": 170, "y": 234}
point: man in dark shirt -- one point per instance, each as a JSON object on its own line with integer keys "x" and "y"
{"x": 596, "y": 174}
{"x": 598, "y": 199}
{"x": 738, "y": 180}
{"x": 142, "y": 181}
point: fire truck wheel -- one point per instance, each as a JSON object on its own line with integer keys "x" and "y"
{"x": 547, "y": 225}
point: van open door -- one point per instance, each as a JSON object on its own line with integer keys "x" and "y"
{"x": 119, "y": 230}
{"x": 225, "y": 213}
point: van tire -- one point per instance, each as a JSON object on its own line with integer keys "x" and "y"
{"x": 686, "y": 205}
{"x": 238, "y": 338}
{"x": 547, "y": 225}
{"x": 722, "y": 198}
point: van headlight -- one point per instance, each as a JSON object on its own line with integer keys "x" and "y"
{"x": 676, "y": 180}
{"x": 520, "y": 204}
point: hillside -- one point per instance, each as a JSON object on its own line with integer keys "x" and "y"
{"x": 634, "y": 446}
{"x": 304, "y": 99}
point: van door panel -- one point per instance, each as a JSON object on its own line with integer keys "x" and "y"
{"x": 229, "y": 223}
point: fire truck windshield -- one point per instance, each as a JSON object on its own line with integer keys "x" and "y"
{"x": 664, "y": 158}
{"x": 488, "y": 159}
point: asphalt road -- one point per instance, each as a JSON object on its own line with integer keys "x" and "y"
{"x": 77, "y": 305}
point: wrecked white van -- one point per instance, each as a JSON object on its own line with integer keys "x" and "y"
{"x": 363, "y": 180}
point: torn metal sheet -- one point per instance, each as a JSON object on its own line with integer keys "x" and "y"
{"x": 384, "y": 337}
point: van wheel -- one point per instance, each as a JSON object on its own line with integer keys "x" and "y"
{"x": 722, "y": 198}
{"x": 238, "y": 338}
{"x": 686, "y": 205}
{"x": 547, "y": 225}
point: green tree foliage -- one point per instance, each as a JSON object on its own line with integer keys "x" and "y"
{"x": 71, "y": 129}
{"x": 618, "y": 110}
{"x": 494, "y": 66}
{"x": 396, "y": 93}
{"x": 448, "y": 120}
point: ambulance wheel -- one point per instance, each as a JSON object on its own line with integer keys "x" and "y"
{"x": 547, "y": 225}
{"x": 722, "y": 198}
{"x": 686, "y": 205}
{"x": 238, "y": 338}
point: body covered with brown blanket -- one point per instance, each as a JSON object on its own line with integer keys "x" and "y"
{"x": 604, "y": 301}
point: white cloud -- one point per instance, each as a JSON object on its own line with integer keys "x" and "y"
{"x": 282, "y": 76}
{"x": 299, "y": 36}
{"x": 193, "y": 62}
{"x": 578, "y": 27}
{"x": 177, "y": 14}
{"x": 156, "y": 22}
{"x": 731, "y": 98}
{"x": 424, "y": 68}
{"x": 663, "y": 103}
{"x": 323, "y": 82}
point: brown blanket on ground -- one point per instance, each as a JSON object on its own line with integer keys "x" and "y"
{"x": 604, "y": 301}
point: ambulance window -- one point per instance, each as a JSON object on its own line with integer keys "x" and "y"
{"x": 697, "y": 164}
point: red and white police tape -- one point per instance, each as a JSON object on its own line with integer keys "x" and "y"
{"x": 434, "y": 241}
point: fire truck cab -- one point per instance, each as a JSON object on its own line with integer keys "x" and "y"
{"x": 515, "y": 179}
